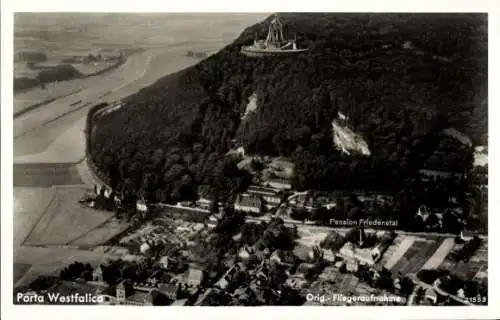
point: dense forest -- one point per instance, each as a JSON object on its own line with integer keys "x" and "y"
{"x": 401, "y": 78}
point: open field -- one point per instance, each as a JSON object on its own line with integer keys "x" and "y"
{"x": 65, "y": 219}
{"x": 45, "y": 174}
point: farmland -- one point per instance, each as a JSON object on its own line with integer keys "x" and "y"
{"x": 476, "y": 267}
{"x": 416, "y": 256}
{"x": 64, "y": 220}
{"x": 45, "y": 174}
{"x": 29, "y": 205}
{"x": 20, "y": 270}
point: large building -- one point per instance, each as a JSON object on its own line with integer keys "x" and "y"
{"x": 248, "y": 203}
{"x": 270, "y": 196}
{"x": 354, "y": 256}
{"x": 279, "y": 183}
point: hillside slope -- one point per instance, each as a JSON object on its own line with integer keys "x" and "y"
{"x": 171, "y": 137}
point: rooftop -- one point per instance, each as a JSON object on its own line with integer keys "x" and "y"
{"x": 249, "y": 201}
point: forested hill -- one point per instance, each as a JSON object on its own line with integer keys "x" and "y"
{"x": 402, "y": 79}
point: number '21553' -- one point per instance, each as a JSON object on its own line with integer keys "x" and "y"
{"x": 477, "y": 299}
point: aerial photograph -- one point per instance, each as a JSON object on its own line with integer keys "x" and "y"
{"x": 250, "y": 159}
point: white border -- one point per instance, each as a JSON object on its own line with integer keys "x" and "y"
{"x": 32, "y": 312}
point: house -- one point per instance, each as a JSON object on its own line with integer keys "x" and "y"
{"x": 279, "y": 183}
{"x": 461, "y": 293}
{"x": 248, "y": 203}
{"x": 193, "y": 277}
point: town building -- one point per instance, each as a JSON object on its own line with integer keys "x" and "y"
{"x": 248, "y": 203}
